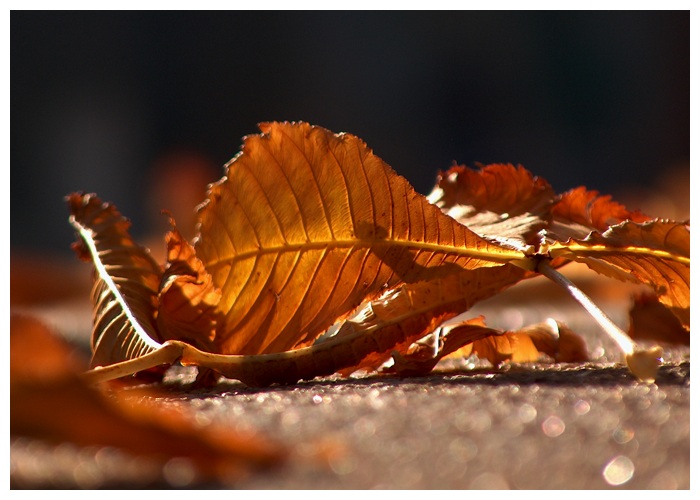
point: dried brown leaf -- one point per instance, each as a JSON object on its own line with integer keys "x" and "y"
{"x": 512, "y": 347}
{"x": 367, "y": 339}
{"x": 579, "y": 211}
{"x": 527, "y": 345}
{"x": 50, "y": 401}
{"x": 308, "y": 224}
{"x": 655, "y": 253}
{"x": 651, "y": 320}
{"x": 188, "y": 299}
{"x": 421, "y": 356}
{"x": 461, "y": 339}
{"x": 127, "y": 279}
{"x": 557, "y": 341}
{"x": 414, "y": 311}
{"x": 499, "y": 201}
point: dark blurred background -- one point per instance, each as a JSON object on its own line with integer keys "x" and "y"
{"x": 144, "y": 108}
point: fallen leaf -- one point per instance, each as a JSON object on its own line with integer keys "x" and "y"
{"x": 308, "y": 229}
{"x": 421, "y": 356}
{"x": 50, "y": 401}
{"x": 651, "y": 320}
{"x": 411, "y": 312}
{"x": 655, "y": 253}
{"x": 127, "y": 279}
{"x": 306, "y": 225}
{"x": 500, "y": 202}
{"x": 187, "y": 299}
{"x": 556, "y": 340}
{"x": 461, "y": 339}
{"x": 579, "y": 211}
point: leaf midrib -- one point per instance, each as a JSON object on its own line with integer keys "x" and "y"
{"x": 88, "y": 238}
{"x": 503, "y": 256}
{"x": 600, "y": 250}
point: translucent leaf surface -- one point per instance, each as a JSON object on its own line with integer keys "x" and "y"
{"x": 309, "y": 229}
{"x": 656, "y": 253}
{"x": 308, "y": 224}
{"x": 580, "y": 211}
{"x": 126, "y": 283}
{"x": 501, "y": 202}
{"x": 418, "y": 309}
{"x": 187, "y": 299}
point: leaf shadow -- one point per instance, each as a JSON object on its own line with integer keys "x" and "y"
{"x": 554, "y": 376}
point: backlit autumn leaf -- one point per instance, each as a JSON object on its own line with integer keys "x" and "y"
{"x": 579, "y": 211}
{"x": 500, "y": 202}
{"x": 463, "y": 338}
{"x": 656, "y": 253}
{"x": 187, "y": 299}
{"x": 505, "y": 204}
{"x": 308, "y": 229}
{"x": 127, "y": 279}
{"x": 410, "y": 312}
{"x": 306, "y": 225}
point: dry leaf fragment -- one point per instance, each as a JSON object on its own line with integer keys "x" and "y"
{"x": 422, "y": 356}
{"x": 655, "y": 252}
{"x": 510, "y": 347}
{"x": 651, "y": 320}
{"x": 466, "y": 337}
{"x": 579, "y": 211}
{"x": 500, "y": 202}
{"x": 557, "y": 341}
{"x": 187, "y": 299}
{"x": 49, "y": 401}
{"x": 414, "y": 311}
{"x": 127, "y": 279}
{"x": 527, "y": 345}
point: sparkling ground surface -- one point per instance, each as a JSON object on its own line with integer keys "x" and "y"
{"x": 539, "y": 426}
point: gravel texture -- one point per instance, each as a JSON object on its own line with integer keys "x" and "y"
{"x": 538, "y": 426}
{"x": 581, "y": 427}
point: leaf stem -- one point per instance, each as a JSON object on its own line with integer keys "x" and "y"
{"x": 643, "y": 363}
{"x": 166, "y": 354}
{"x": 621, "y": 338}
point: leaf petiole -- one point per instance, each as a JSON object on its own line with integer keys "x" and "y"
{"x": 166, "y": 354}
{"x": 642, "y": 362}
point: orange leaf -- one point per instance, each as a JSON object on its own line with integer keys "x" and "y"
{"x": 366, "y": 340}
{"x": 308, "y": 224}
{"x": 49, "y": 401}
{"x": 310, "y": 228}
{"x": 187, "y": 299}
{"x": 499, "y": 202}
{"x": 656, "y": 253}
{"x": 421, "y": 356}
{"x": 510, "y": 347}
{"x": 650, "y": 320}
{"x": 526, "y": 345}
{"x": 126, "y": 283}
{"x": 557, "y": 341}
{"x": 414, "y": 311}
{"x": 580, "y": 211}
